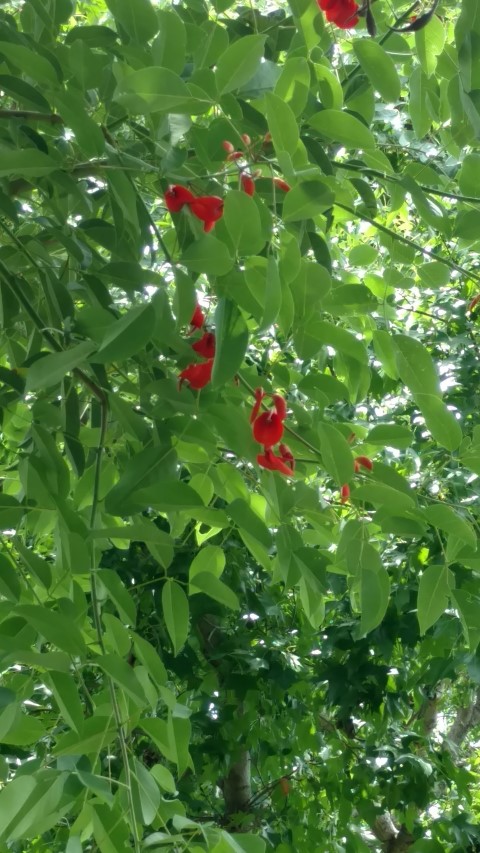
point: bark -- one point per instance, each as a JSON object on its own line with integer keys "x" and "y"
{"x": 466, "y": 719}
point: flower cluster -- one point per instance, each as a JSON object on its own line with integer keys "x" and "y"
{"x": 207, "y": 208}
{"x": 340, "y": 12}
{"x": 242, "y": 158}
{"x": 199, "y": 374}
{"x": 358, "y": 463}
{"x": 268, "y": 429}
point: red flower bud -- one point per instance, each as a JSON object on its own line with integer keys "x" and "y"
{"x": 248, "y": 184}
{"x": 198, "y": 318}
{"x": 287, "y": 456}
{"x": 267, "y": 138}
{"x": 268, "y": 429}
{"x": 273, "y": 463}
{"x": 474, "y": 302}
{"x": 205, "y": 346}
{"x": 246, "y": 139}
{"x": 259, "y": 395}
{"x": 236, "y": 155}
{"x": 351, "y": 438}
{"x": 176, "y": 196}
{"x": 282, "y": 185}
{"x": 284, "y": 786}
{"x": 344, "y": 493}
{"x": 227, "y": 146}
{"x": 280, "y": 406}
{"x": 197, "y": 375}
{"x": 207, "y": 208}
{"x": 363, "y": 462}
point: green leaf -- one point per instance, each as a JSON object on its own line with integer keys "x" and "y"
{"x": 32, "y": 64}
{"x": 385, "y": 352}
{"x": 342, "y": 127}
{"x": 231, "y": 342}
{"x": 273, "y": 294}
{"x": 118, "y": 594}
{"x": 129, "y": 334}
{"x": 50, "y": 369}
{"x": 239, "y": 63}
{"x": 9, "y": 582}
{"x": 468, "y": 606}
{"x": 429, "y": 42}
{"x": 138, "y": 19}
{"x": 26, "y": 163}
{"x": 66, "y": 696}
{"x": 208, "y": 255}
{"x": 169, "y": 46}
{"x": 433, "y": 595}
{"x": 390, "y": 435}
{"x": 307, "y": 199}
{"x": 441, "y": 422}
{"x": 54, "y": 627}
{"x": 380, "y": 494}
{"x": 211, "y": 559}
{"x": 248, "y": 520}
{"x": 164, "y": 778}
{"x": 124, "y": 676}
{"x": 374, "y": 589}
{"x": 445, "y": 518}
{"x": 336, "y": 454}
{"x": 415, "y": 366}
{"x": 242, "y": 221}
{"x": 419, "y": 86}
{"x": 293, "y": 85}
{"x": 147, "y": 791}
{"x": 207, "y": 583}
{"x": 435, "y": 274}
{"x": 175, "y": 613}
{"x": 156, "y": 90}
{"x": 379, "y": 68}
{"x": 282, "y": 124}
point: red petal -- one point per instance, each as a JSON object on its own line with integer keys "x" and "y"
{"x": 280, "y": 406}
{"x": 248, "y": 184}
{"x": 205, "y": 346}
{"x": 197, "y": 375}
{"x": 198, "y": 318}
{"x": 364, "y": 462}
{"x": 176, "y": 196}
{"x": 344, "y": 493}
{"x": 273, "y": 463}
{"x": 268, "y": 429}
{"x": 259, "y": 395}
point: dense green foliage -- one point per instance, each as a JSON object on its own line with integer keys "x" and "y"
{"x": 199, "y": 653}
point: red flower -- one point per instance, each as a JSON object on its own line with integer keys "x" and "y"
{"x": 236, "y": 155}
{"x": 273, "y": 463}
{"x": 197, "y": 375}
{"x": 198, "y": 318}
{"x": 208, "y": 208}
{"x": 340, "y": 12}
{"x": 205, "y": 346}
{"x": 268, "y": 429}
{"x": 363, "y": 462}
{"x": 287, "y": 456}
{"x": 344, "y": 493}
{"x": 248, "y": 184}
{"x": 282, "y": 185}
{"x": 176, "y": 196}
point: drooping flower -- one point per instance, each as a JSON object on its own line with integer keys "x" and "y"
{"x": 474, "y": 302}
{"x": 340, "y": 12}
{"x": 197, "y": 375}
{"x": 198, "y": 318}
{"x": 207, "y": 208}
{"x": 362, "y": 462}
{"x": 271, "y": 462}
{"x": 344, "y": 493}
{"x": 248, "y": 184}
{"x": 268, "y": 427}
{"x": 287, "y": 456}
{"x": 205, "y": 346}
{"x": 176, "y": 197}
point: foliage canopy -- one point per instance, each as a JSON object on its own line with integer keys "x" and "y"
{"x": 224, "y": 631}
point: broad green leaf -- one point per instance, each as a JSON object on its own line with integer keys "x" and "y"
{"x": 445, "y": 518}
{"x": 118, "y": 594}
{"x": 54, "y": 627}
{"x": 50, "y": 369}
{"x": 208, "y": 255}
{"x": 239, "y": 62}
{"x": 379, "y": 68}
{"x": 380, "y": 494}
{"x": 468, "y": 607}
{"x": 273, "y": 294}
{"x": 169, "y": 46}
{"x": 211, "y": 559}
{"x": 9, "y": 582}
{"x": 441, "y": 422}
{"x": 433, "y": 595}
{"x": 150, "y": 659}
{"x": 246, "y": 519}
{"x": 415, "y": 366}
{"x": 147, "y": 791}
{"x": 429, "y": 42}
{"x": 123, "y": 676}
{"x": 175, "y": 613}
{"x": 242, "y": 221}
{"x": 374, "y": 595}
{"x": 419, "y": 87}
{"x": 66, "y": 695}
{"x": 390, "y": 435}
{"x": 231, "y": 342}
{"x": 336, "y": 454}
{"x": 127, "y": 336}
{"x": 434, "y": 273}
{"x": 210, "y": 585}
{"x": 342, "y": 127}
{"x": 307, "y": 199}
{"x": 137, "y": 19}
{"x": 292, "y": 87}
{"x": 27, "y": 163}
{"x": 282, "y": 124}
{"x": 164, "y": 778}
{"x": 155, "y": 90}
{"x": 33, "y": 64}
